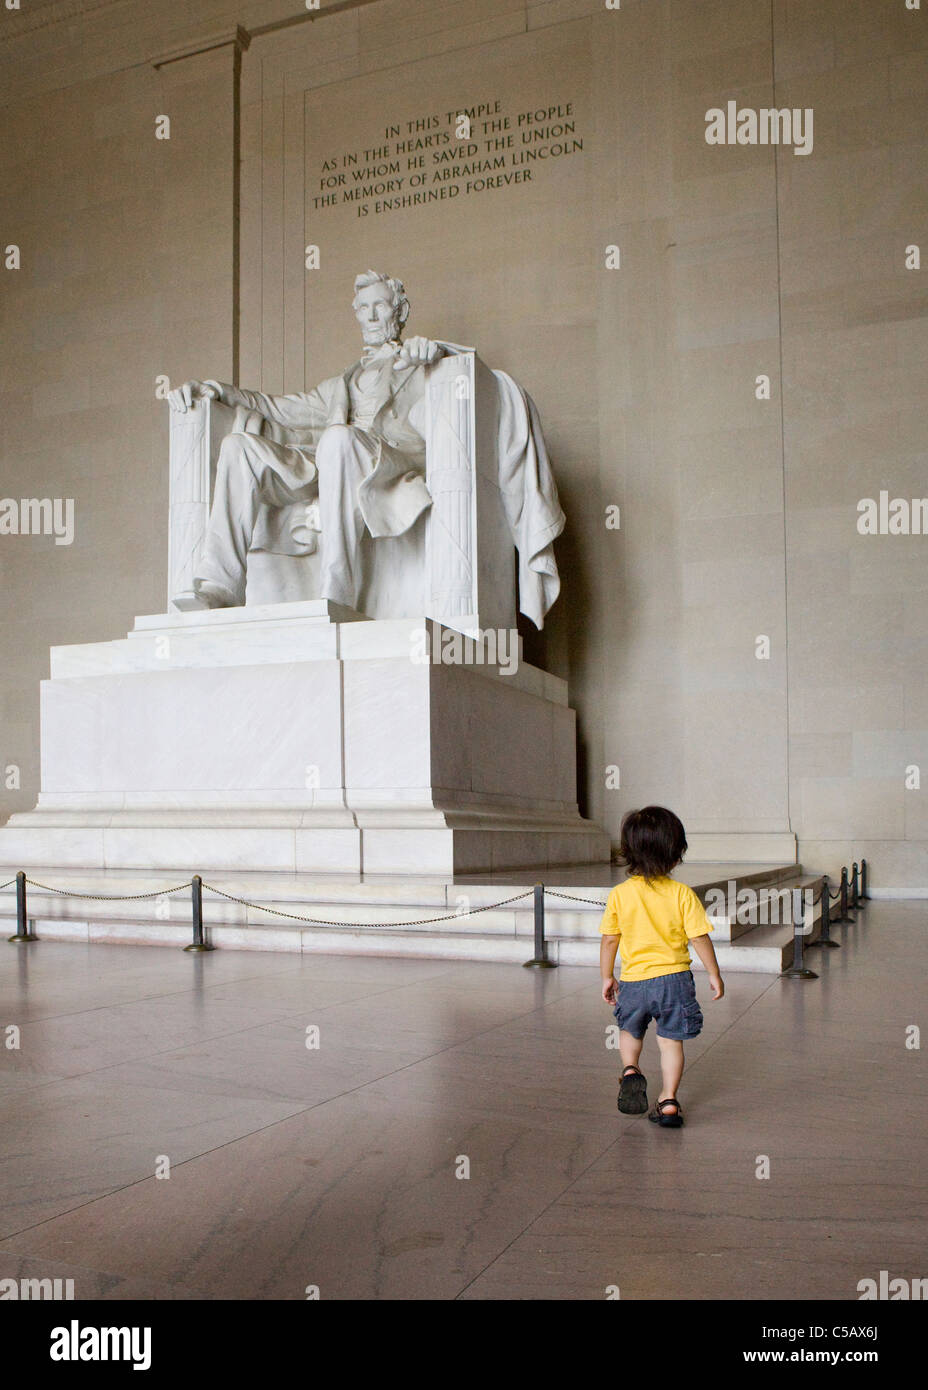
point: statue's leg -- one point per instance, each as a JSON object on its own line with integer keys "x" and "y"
{"x": 344, "y": 457}
{"x": 250, "y": 471}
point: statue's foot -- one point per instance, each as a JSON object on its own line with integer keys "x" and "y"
{"x": 214, "y": 595}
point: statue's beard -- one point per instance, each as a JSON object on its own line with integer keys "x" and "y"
{"x": 375, "y": 335}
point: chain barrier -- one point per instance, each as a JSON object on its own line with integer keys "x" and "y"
{"x": 857, "y": 886}
{"x": 260, "y": 907}
{"x": 590, "y": 902}
{"x": 106, "y": 897}
{"x": 321, "y": 922}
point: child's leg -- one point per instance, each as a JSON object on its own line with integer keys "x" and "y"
{"x": 671, "y": 1065}
{"x": 629, "y": 1048}
{"x": 633, "y": 1089}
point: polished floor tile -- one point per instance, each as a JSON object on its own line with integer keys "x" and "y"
{"x": 360, "y": 1197}
{"x": 67, "y": 1143}
{"x": 452, "y": 1132}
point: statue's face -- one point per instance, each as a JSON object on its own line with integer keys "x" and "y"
{"x": 376, "y": 313}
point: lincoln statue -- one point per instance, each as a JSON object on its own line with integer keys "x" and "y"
{"x": 350, "y": 457}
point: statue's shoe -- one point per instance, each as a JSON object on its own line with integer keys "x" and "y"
{"x": 214, "y": 595}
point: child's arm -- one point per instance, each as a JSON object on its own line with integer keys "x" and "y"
{"x": 706, "y": 953}
{"x": 608, "y": 945}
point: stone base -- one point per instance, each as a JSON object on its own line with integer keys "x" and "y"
{"x": 302, "y": 737}
{"x": 136, "y": 841}
{"x": 760, "y": 847}
{"x": 418, "y": 915}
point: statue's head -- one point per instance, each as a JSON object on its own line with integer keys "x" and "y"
{"x": 381, "y": 307}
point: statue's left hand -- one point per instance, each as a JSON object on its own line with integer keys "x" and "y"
{"x": 184, "y": 396}
{"x": 418, "y": 350}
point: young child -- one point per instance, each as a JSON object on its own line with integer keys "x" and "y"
{"x": 651, "y": 919}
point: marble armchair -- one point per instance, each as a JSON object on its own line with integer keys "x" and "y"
{"x": 456, "y": 564}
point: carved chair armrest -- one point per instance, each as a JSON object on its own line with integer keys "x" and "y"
{"x": 195, "y": 438}
{"x": 470, "y": 578}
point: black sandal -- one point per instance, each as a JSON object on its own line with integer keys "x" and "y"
{"x": 671, "y": 1121}
{"x": 633, "y": 1093}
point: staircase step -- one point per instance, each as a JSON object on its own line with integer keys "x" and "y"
{"x": 391, "y": 917}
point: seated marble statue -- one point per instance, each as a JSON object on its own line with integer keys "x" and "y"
{"x": 352, "y": 455}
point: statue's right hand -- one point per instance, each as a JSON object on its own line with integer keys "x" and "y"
{"x": 182, "y": 399}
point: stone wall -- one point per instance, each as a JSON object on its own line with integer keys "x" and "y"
{"x": 143, "y": 258}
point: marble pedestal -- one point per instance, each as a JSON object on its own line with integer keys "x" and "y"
{"x": 302, "y": 737}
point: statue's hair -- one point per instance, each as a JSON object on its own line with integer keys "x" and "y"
{"x": 396, "y": 287}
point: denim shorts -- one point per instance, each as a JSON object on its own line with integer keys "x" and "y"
{"x": 669, "y": 999}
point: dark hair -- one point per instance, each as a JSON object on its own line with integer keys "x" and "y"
{"x": 653, "y": 841}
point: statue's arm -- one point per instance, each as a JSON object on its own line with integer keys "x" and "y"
{"x": 452, "y": 349}
{"x": 302, "y": 410}
{"x": 425, "y": 351}
{"x": 299, "y": 411}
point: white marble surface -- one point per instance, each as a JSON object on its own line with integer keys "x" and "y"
{"x": 775, "y": 847}
{"x": 182, "y": 731}
{"x": 285, "y": 632}
{"x": 296, "y": 737}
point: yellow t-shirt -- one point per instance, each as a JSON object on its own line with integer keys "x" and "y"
{"x": 654, "y": 922}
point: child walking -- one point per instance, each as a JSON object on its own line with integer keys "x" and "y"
{"x": 651, "y": 919}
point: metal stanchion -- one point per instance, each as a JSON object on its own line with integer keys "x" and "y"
{"x": 23, "y": 925}
{"x": 797, "y": 971}
{"x": 843, "y": 915}
{"x": 855, "y": 888}
{"x": 864, "y": 895}
{"x": 199, "y": 942}
{"x": 825, "y": 936}
{"x": 540, "y": 960}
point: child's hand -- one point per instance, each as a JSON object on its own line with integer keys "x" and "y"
{"x": 609, "y": 990}
{"x": 716, "y": 985}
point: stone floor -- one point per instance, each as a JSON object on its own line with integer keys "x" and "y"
{"x": 336, "y": 1166}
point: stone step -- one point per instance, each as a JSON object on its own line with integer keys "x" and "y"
{"x": 571, "y": 909}
{"x": 766, "y": 904}
{"x": 768, "y": 952}
{"x": 589, "y": 882}
{"x": 377, "y": 918}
